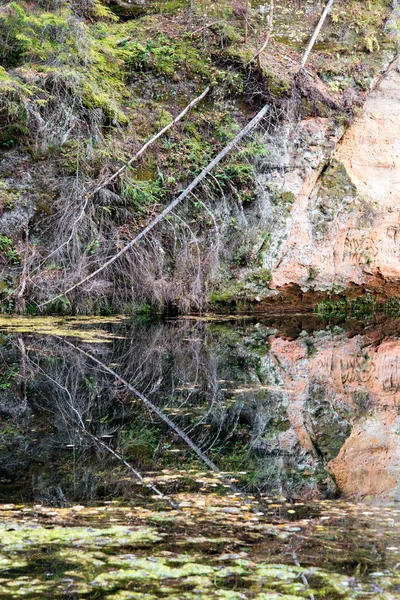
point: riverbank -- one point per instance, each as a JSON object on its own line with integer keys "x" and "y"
{"x": 144, "y": 69}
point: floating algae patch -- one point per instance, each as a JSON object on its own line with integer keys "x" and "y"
{"x": 38, "y": 561}
{"x": 82, "y": 328}
{"x": 15, "y": 537}
{"x": 117, "y": 554}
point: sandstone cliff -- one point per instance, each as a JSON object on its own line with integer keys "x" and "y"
{"x": 345, "y": 223}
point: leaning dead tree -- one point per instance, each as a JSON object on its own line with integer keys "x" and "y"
{"x": 316, "y": 33}
{"x": 232, "y": 144}
{"x": 201, "y": 176}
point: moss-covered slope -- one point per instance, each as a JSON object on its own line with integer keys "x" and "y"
{"x": 84, "y": 84}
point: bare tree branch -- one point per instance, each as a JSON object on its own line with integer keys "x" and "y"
{"x": 103, "y": 444}
{"x": 150, "y": 142}
{"x": 316, "y": 33}
{"x": 158, "y": 412}
{"x": 147, "y": 403}
{"x": 267, "y": 36}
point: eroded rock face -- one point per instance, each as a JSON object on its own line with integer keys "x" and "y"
{"x": 345, "y": 224}
{"x": 286, "y": 177}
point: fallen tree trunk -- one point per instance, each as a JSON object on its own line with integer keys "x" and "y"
{"x": 169, "y": 208}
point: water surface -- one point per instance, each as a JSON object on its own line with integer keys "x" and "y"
{"x": 246, "y": 459}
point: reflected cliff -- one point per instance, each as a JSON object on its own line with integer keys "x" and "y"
{"x": 287, "y": 405}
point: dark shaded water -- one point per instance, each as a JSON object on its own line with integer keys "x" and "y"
{"x": 262, "y": 459}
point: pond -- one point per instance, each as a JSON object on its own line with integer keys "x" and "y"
{"x": 210, "y": 457}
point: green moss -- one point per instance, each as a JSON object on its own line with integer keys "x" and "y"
{"x": 94, "y": 9}
{"x": 337, "y": 192}
{"x": 55, "y": 52}
{"x": 222, "y": 297}
{"x": 313, "y": 273}
{"x": 14, "y": 96}
{"x": 288, "y": 197}
{"x": 278, "y": 196}
{"x": 162, "y": 55}
{"x": 227, "y": 295}
{"x": 277, "y": 85}
{"x": 336, "y": 183}
{"x": 3, "y": 74}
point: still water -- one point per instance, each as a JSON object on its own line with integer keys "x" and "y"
{"x": 200, "y": 458}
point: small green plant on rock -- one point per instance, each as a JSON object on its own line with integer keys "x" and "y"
{"x": 392, "y": 307}
{"x": 242, "y": 256}
{"x": 142, "y": 194}
{"x": 261, "y": 277}
{"x": 278, "y": 196}
{"x": 7, "y": 377}
{"x": 313, "y": 273}
{"x": 8, "y": 197}
{"x": 7, "y": 251}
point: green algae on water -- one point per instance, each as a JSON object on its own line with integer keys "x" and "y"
{"x": 45, "y": 555}
{"x": 73, "y": 327}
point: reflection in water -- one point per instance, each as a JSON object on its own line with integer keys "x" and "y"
{"x": 347, "y": 387}
{"x": 273, "y": 401}
{"x": 244, "y": 426}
